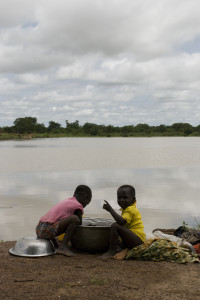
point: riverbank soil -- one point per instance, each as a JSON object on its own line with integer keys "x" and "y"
{"x": 85, "y": 276}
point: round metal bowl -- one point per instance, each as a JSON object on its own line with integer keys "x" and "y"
{"x": 92, "y": 235}
{"x": 31, "y": 246}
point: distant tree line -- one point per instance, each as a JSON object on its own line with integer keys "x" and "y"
{"x": 29, "y": 125}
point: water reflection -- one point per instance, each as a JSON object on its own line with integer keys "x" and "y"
{"x": 175, "y": 189}
{"x": 37, "y": 174}
{"x": 165, "y": 196}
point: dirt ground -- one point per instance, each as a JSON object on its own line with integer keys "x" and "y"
{"x": 85, "y": 276}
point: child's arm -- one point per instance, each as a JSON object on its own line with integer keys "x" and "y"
{"x": 78, "y": 213}
{"x": 115, "y": 215}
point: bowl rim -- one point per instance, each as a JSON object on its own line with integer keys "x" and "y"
{"x": 96, "y": 226}
{"x": 12, "y": 251}
{"x": 17, "y": 253}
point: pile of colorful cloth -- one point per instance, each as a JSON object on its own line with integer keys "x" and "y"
{"x": 159, "y": 249}
{"x": 181, "y": 245}
{"x": 182, "y": 235}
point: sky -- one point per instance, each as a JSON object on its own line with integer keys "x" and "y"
{"x": 119, "y": 62}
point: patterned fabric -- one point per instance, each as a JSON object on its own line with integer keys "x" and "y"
{"x": 134, "y": 221}
{"x": 161, "y": 249}
{"x": 197, "y": 248}
{"x": 46, "y": 230}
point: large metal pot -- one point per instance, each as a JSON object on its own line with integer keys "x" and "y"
{"x": 92, "y": 235}
{"x": 31, "y": 246}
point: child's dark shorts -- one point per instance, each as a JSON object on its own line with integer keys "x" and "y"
{"x": 46, "y": 230}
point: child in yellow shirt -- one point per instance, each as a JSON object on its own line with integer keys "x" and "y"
{"x": 128, "y": 226}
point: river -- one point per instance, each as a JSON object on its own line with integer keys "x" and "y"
{"x": 36, "y": 174}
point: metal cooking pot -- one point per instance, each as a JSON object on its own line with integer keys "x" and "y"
{"x": 31, "y": 246}
{"x": 92, "y": 235}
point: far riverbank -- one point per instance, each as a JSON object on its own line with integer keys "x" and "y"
{"x": 15, "y": 136}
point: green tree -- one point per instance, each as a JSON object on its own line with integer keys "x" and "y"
{"x": 8, "y": 129}
{"x": 161, "y": 128}
{"x": 183, "y": 128}
{"x": 72, "y": 126}
{"x": 197, "y": 129}
{"x": 40, "y": 128}
{"x": 54, "y": 127}
{"x": 25, "y": 125}
{"x": 142, "y": 128}
{"x": 127, "y": 130}
{"x": 91, "y": 129}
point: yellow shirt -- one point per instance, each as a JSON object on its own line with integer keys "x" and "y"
{"x": 134, "y": 221}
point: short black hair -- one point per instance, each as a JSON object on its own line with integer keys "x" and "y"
{"x": 83, "y": 189}
{"x": 131, "y": 189}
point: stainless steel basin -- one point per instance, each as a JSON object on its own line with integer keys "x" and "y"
{"x": 92, "y": 235}
{"x": 31, "y": 246}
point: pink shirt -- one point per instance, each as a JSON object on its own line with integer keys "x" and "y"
{"x": 63, "y": 209}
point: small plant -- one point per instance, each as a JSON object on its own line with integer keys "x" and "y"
{"x": 2, "y": 241}
{"x": 185, "y": 225}
{"x": 98, "y": 281}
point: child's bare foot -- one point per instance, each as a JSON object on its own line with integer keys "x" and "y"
{"x": 108, "y": 254}
{"x": 121, "y": 255}
{"x": 65, "y": 251}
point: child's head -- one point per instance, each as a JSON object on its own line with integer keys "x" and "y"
{"x": 83, "y": 194}
{"x": 125, "y": 196}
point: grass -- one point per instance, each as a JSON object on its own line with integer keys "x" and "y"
{"x": 8, "y": 136}
{"x": 197, "y": 223}
{"x": 96, "y": 280}
{"x": 93, "y": 280}
{"x": 196, "y": 226}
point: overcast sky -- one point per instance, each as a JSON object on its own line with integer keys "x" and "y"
{"x": 100, "y": 61}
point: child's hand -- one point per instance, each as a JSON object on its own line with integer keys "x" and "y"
{"x": 107, "y": 206}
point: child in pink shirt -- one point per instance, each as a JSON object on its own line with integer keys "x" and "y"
{"x": 64, "y": 218}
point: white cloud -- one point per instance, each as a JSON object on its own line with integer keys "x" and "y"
{"x": 105, "y": 61}
{"x": 84, "y": 112}
{"x": 33, "y": 79}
